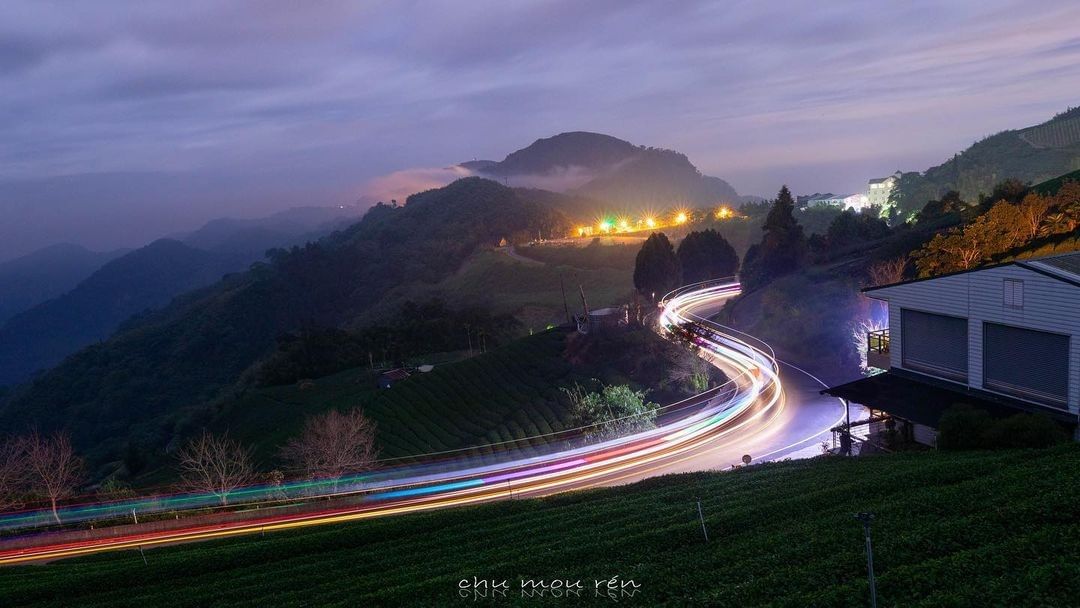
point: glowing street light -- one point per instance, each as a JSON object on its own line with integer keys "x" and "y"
{"x": 723, "y": 213}
{"x": 605, "y": 226}
{"x": 650, "y": 222}
{"x": 680, "y": 218}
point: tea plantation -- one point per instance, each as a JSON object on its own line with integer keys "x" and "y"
{"x": 961, "y": 529}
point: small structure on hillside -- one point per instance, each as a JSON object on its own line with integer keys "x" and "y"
{"x": 388, "y": 378}
{"x": 602, "y": 319}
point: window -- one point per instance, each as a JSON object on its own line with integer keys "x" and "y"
{"x": 1014, "y": 293}
{"x": 934, "y": 344}
{"x": 1026, "y": 363}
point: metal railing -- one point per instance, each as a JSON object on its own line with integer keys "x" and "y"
{"x": 877, "y": 341}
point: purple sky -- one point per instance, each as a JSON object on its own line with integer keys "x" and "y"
{"x": 123, "y": 121}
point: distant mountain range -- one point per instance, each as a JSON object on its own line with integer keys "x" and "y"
{"x": 45, "y": 274}
{"x": 1032, "y": 154}
{"x": 141, "y": 280}
{"x": 63, "y": 298}
{"x": 609, "y": 170}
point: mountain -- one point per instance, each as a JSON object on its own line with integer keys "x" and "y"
{"x": 151, "y": 383}
{"x": 45, "y": 274}
{"x": 254, "y": 237}
{"x": 143, "y": 279}
{"x": 610, "y": 170}
{"x": 1033, "y": 154}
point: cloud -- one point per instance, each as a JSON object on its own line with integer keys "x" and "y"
{"x": 400, "y": 184}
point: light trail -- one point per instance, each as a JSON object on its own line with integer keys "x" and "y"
{"x": 713, "y": 420}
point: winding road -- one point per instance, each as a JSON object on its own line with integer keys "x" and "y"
{"x": 768, "y": 410}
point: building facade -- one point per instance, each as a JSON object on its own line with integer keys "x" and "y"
{"x": 879, "y": 190}
{"x": 1006, "y": 336}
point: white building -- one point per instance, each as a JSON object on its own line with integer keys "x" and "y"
{"x": 856, "y": 202}
{"x": 1003, "y": 337}
{"x": 878, "y": 190}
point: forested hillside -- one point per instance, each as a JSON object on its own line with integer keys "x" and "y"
{"x": 182, "y": 357}
{"x": 144, "y": 279}
{"x": 1032, "y": 155}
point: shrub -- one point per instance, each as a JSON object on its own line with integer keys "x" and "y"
{"x": 964, "y": 427}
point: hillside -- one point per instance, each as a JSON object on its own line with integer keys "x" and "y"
{"x": 1033, "y": 154}
{"x": 255, "y": 236}
{"x": 181, "y": 358}
{"x": 610, "y": 170}
{"x": 46, "y": 273}
{"x": 144, "y": 279}
{"x": 966, "y": 529}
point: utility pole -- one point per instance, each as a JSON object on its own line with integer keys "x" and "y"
{"x": 866, "y": 518}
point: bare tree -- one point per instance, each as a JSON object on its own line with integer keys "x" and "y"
{"x": 334, "y": 443}
{"x": 54, "y": 469}
{"x": 217, "y": 465}
{"x": 13, "y": 473}
{"x": 886, "y": 272}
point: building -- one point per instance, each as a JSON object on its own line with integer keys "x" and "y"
{"x": 1002, "y": 338}
{"x": 878, "y": 190}
{"x": 856, "y": 202}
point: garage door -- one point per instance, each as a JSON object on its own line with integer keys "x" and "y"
{"x": 1026, "y": 363}
{"x": 934, "y": 344}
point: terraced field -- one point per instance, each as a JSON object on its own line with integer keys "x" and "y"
{"x": 969, "y": 529}
{"x": 504, "y": 395}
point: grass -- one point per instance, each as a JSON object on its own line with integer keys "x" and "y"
{"x": 531, "y": 292}
{"x": 964, "y": 529}
{"x": 509, "y": 393}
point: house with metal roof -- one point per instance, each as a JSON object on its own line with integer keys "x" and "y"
{"x": 1003, "y": 338}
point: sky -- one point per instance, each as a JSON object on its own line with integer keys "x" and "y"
{"x": 124, "y": 121}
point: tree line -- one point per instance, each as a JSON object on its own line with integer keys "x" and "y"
{"x": 46, "y": 468}
{"x": 701, "y": 256}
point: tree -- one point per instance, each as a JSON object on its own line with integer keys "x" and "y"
{"x": 217, "y": 465}
{"x": 706, "y": 255}
{"x": 334, "y": 443}
{"x": 850, "y": 228}
{"x": 13, "y": 473}
{"x": 656, "y": 268}
{"x": 886, "y": 272}
{"x": 1033, "y": 210}
{"x": 615, "y": 411}
{"x": 55, "y": 470}
{"x": 782, "y": 248}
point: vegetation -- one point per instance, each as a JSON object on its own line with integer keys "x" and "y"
{"x": 613, "y": 411}
{"x": 782, "y": 249}
{"x": 1030, "y": 155}
{"x": 416, "y": 329}
{"x": 706, "y": 255}
{"x": 1005, "y": 228}
{"x": 656, "y": 268}
{"x": 963, "y": 427}
{"x": 157, "y": 374}
{"x": 950, "y": 529}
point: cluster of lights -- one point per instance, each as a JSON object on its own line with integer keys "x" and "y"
{"x": 609, "y": 225}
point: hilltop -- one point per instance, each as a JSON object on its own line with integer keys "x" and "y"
{"x": 951, "y": 529}
{"x": 1032, "y": 154}
{"x": 609, "y": 169}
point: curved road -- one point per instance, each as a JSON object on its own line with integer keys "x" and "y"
{"x": 768, "y": 410}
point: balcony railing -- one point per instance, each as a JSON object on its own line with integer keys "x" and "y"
{"x": 877, "y": 349}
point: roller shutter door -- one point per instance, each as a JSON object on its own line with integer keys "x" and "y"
{"x": 1026, "y": 363}
{"x": 934, "y": 344}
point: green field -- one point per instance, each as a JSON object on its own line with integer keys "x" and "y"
{"x": 529, "y": 291}
{"x": 506, "y": 394}
{"x": 968, "y": 529}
